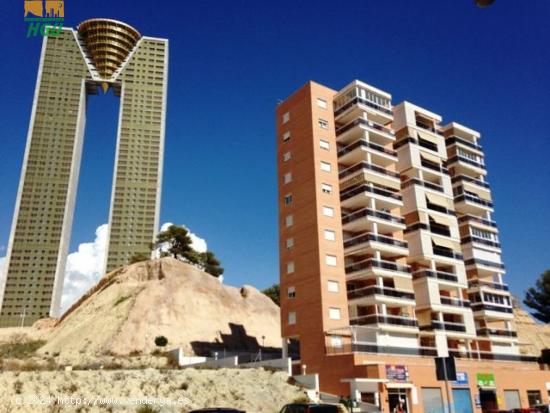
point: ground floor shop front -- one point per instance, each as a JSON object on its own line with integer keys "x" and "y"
{"x": 407, "y": 384}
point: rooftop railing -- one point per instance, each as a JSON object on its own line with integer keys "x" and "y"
{"x": 357, "y": 100}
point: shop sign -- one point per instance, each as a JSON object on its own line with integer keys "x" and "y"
{"x": 461, "y": 379}
{"x": 397, "y": 373}
{"x": 485, "y": 379}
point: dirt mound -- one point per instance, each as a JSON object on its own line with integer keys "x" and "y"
{"x": 131, "y": 306}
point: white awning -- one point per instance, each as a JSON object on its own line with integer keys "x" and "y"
{"x": 445, "y": 243}
{"x": 441, "y": 220}
{"x": 438, "y": 200}
{"x": 428, "y": 137}
{"x": 431, "y": 158}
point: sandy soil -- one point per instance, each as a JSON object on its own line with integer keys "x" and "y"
{"x": 253, "y": 390}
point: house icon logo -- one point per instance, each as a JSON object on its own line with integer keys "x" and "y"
{"x": 44, "y": 17}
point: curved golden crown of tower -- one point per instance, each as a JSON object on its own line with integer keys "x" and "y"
{"x": 108, "y": 42}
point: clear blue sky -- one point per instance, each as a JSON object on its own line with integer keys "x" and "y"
{"x": 232, "y": 60}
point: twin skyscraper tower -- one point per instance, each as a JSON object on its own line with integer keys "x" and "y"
{"x": 100, "y": 54}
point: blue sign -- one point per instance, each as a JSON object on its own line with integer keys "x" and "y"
{"x": 461, "y": 379}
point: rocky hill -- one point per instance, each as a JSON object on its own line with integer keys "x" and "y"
{"x": 129, "y": 307}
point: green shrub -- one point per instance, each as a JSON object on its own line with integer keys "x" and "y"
{"x": 161, "y": 341}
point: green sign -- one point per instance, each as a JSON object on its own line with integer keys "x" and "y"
{"x": 486, "y": 379}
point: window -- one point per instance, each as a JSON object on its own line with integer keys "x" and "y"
{"x": 330, "y": 235}
{"x": 288, "y": 199}
{"x": 292, "y": 317}
{"x": 323, "y": 124}
{"x": 289, "y": 243}
{"x": 334, "y": 313}
{"x": 330, "y": 260}
{"x": 291, "y": 292}
{"x": 326, "y": 188}
{"x": 322, "y": 103}
{"x": 328, "y": 211}
{"x": 324, "y": 144}
{"x": 287, "y": 156}
{"x": 336, "y": 341}
{"x": 325, "y": 166}
{"x": 289, "y": 221}
{"x": 287, "y": 178}
{"x": 286, "y": 117}
{"x": 290, "y": 267}
{"x": 286, "y": 136}
{"x": 333, "y": 286}
{"x": 533, "y": 397}
{"x": 482, "y": 234}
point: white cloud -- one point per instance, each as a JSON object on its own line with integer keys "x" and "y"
{"x": 85, "y": 266}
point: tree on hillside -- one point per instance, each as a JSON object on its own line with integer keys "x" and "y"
{"x": 274, "y": 292}
{"x": 179, "y": 243}
{"x": 211, "y": 264}
{"x": 538, "y": 298}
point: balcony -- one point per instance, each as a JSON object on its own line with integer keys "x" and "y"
{"x": 427, "y": 127}
{"x": 365, "y": 241}
{"x": 360, "y": 239}
{"x": 355, "y": 152}
{"x": 446, "y": 252}
{"x": 355, "y": 129}
{"x": 383, "y": 111}
{"x": 434, "y": 166}
{"x": 488, "y": 284}
{"x": 444, "y": 326}
{"x": 367, "y": 144}
{"x": 425, "y": 184}
{"x": 388, "y": 320}
{"x": 492, "y": 332}
{"x": 463, "y": 165}
{"x": 455, "y": 139}
{"x": 366, "y": 167}
{"x": 454, "y": 302}
{"x": 439, "y": 275}
{"x": 490, "y": 266}
{"x": 427, "y": 144}
{"x": 439, "y": 208}
{"x": 359, "y": 195}
{"x": 373, "y": 290}
{"x": 376, "y": 267}
{"x": 433, "y": 228}
{"x": 470, "y": 180}
{"x": 491, "y": 309}
{"x": 479, "y": 220}
{"x": 362, "y": 220}
{"x": 470, "y": 203}
{"x": 481, "y": 241}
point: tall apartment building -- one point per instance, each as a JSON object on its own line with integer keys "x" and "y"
{"x": 104, "y": 54}
{"x": 389, "y": 256}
